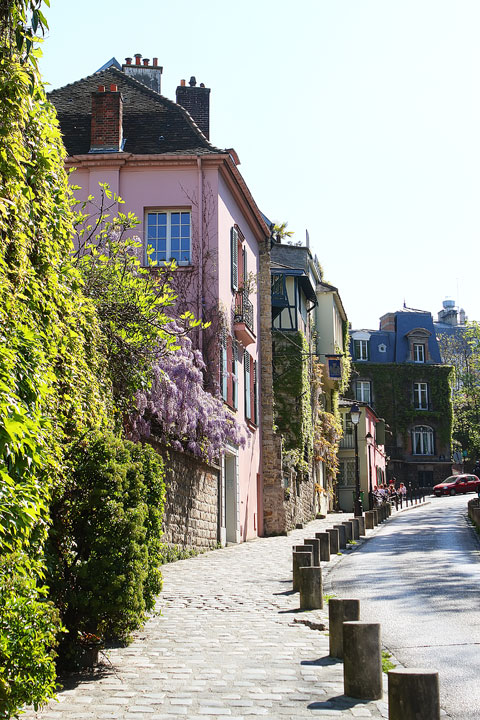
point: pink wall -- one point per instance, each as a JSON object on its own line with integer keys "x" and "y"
{"x": 146, "y": 187}
{"x": 377, "y": 452}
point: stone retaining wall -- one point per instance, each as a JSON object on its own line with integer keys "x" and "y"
{"x": 191, "y": 517}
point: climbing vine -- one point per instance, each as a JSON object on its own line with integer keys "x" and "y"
{"x": 392, "y": 393}
{"x": 293, "y": 401}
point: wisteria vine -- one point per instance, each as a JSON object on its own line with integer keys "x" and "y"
{"x": 178, "y": 411}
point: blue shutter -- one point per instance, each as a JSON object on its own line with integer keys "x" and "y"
{"x": 234, "y": 257}
{"x": 246, "y": 367}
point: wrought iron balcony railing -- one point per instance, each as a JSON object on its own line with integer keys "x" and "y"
{"x": 243, "y": 310}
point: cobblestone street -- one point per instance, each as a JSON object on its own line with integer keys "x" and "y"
{"x": 228, "y": 642}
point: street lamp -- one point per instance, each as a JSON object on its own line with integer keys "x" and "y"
{"x": 355, "y": 418}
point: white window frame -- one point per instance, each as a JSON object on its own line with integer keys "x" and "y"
{"x": 419, "y": 352}
{"x": 153, "y": 257}
{"x": 420, "y": 395}
{"x": 363, "y": 391}
{"x": 422, "y": 440}
{"x": 362, "y": 346}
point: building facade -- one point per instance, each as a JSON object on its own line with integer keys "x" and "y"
{"x": 371, "y": 456}
{"x": 195, "y": 208}
{"x": 398, "y": 371}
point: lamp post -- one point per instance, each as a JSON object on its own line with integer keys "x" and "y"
{"x": 355, "y": 417}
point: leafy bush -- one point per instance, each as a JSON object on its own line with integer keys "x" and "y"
{"x": 27, "y": 639}
{"x": 53, "y": 384}
{"x": 104, "y": 545}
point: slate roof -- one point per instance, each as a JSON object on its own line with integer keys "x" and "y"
{"x": 396, "y": 342}
{"x": 290, "y": 256}
{"x": 152, "y": 124}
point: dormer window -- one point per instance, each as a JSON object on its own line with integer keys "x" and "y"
{"x": 418, "y": 340}
{"x": 360, "y": 348}
{"x": 418, "y": 352}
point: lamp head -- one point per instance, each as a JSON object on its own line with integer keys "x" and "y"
{"x": 355, "y": 414}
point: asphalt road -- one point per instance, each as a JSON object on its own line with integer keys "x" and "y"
{"x": 420, "y": 578}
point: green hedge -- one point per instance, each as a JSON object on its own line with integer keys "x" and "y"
{"x": 104, "y": 549}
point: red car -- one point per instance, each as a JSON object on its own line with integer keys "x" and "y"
{"x": 457, "y": 484}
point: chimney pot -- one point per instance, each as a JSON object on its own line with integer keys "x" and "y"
{"x": 101, "y": 88}
{"x": 146, "y": 61}
{"x": 128, "y": 61}
{"x": 155, "y": 62}
{"x": 202, "y": 84}
{"x": 138, "y": 57}
{"x": 182, "y": 83}
{"x": 113, "y": 88}
{"x": 193, "y": 81}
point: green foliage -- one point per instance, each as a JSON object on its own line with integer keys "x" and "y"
{"x": 131, "y": 301}
{"x": 104, "y": 548}
{"x": 328, "y": 432}
{"x": 27, "y": 638}
{"x": 387, "y": 664}
{"x": 462, "y": 351}
{"x": 392, "y": 386}
{"x": 172, "y": 553}
{"x": 292, "y": 390}
{"x": 53, "y": 386}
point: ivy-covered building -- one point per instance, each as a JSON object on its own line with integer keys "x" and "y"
{"x": 398, "y": 371}
{"x": 300, "y": 448}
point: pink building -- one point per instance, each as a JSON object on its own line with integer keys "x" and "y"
{"x": 371, "y": 455}
{"x": 195, "y": 207}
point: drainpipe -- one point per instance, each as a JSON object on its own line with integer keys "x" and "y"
{"x": 200, "y": 244}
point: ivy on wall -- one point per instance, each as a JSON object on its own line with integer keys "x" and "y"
{"x": 392, "y": 395}
{"x": 292, "y": 391}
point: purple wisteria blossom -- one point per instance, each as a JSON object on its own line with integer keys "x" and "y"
{"x": 179, "y": 411}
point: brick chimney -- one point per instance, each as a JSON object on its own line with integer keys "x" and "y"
{"x": 197, "y": 101}
{"x": 141, "y": 70}
{"x": 107, "y": 110}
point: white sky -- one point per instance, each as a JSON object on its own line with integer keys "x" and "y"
{"x": 356, "y": 119}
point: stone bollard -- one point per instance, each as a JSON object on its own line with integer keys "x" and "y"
{"x": 300, "y": 559}
{"x": 339, "y": 611}
{"x": 348, "y": 525}
{"x": 370, "y": 519}
{"x": 362, "y": 660}
{"x": 315, "y": 543}
{"x": 324, "y": 539}
{"x": 334, "y": 540}
{"x": 311, "y": 588}
{"x": 355, "y": 528}
{"x": 342, "y": 535}
{"x": 376, "y": 518}
{"x": 476, "y": 516}
{"x": 361, "y": 525}
{"x": 413, "y": 693}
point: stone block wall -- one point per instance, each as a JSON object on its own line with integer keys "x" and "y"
{"x": 274, "y": 517}
{"x": 300, "y": 506}
{"x": 191, "y": 517}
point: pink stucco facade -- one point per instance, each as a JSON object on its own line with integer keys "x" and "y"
{"x": 213, "y": 191}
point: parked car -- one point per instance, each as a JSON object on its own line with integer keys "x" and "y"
{"x": 457, "y": 484}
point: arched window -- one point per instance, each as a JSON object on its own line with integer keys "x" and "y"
{"x": 422, "y": 440}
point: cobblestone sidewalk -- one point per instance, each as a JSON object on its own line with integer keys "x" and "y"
{"x": 229, "y": 643}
